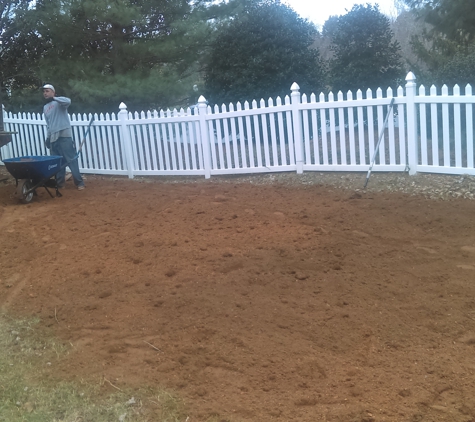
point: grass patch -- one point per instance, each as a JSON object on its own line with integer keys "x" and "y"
{"x": 29, "y": 393}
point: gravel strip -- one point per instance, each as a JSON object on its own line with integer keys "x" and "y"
{"x": 431, "y": 186}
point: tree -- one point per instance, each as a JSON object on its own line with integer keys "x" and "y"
{"x": 7, "y": 8}
{"x": 405, "y": 27}
{"x": 364, "y": 52}
{"x": 261, "y": 53}
{"x": 447, "y": 45}
{"x": 453, "y": 18}
{"x": 457, "y": 70}
{"x": 20, "y": 52}
{"x": 7, "y": 13}
{"x": 103, "y": 52}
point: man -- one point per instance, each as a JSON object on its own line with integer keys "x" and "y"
{"x": 59, "y": 135}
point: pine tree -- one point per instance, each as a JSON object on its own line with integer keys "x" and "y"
{"x": 455, "y": 19}
{"x": 103, "y": 52}
{"x": 447, "y": 47}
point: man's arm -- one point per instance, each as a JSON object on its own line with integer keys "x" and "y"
{"x": 63, "y": 101}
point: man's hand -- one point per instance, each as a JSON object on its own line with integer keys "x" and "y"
{"x": 48, "y": 142}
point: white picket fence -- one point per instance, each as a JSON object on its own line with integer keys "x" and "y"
{"x": 425, "y": 133}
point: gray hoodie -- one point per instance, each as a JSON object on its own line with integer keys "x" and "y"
{"x": 57, "y": 118}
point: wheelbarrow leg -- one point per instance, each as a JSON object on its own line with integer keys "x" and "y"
{"x": 52, "y": 183}
{"x": 58, "y": 193}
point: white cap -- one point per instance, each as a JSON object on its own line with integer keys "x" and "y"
{"x": 48, "y": 86}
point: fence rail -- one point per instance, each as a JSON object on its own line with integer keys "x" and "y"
{"x": 425, "y": 133}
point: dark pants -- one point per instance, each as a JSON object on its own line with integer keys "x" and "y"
{"x": 65, "y": 148}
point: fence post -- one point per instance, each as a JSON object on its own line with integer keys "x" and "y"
{"x": 127, "y": 142}
{"x": 205, "y": 142}
{"x": 297, "y": 126}
{"x": 412, "y": 141}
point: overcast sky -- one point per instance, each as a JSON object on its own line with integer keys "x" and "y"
{"x": 318, "y": 11}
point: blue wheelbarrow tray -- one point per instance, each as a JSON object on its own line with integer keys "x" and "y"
{"x": 33, "y": 167}
{"x": 32, "y": 172}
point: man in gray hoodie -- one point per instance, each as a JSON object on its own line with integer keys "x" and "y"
{"x": 60, "y": 135}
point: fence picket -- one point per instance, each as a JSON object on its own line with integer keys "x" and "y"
{"x": 265, "y": 135}
{"x": 423, "y": 127}
{"x": 273, "y": 136}
{"x": 241, "y": 139}
{"x": 445, "y": 127}
{"x": 316, "y": 147}
{"x": 380, "y": 119}
{"x": 323, "y": 126}
{"x": 227, "y": 143}
{"x": 248, "y": 139}
{"x": 434, "y": 129}
{"x": 331, "y": 113}
{"x": 391, "y": 138}
{"x": 457, "y": 129}
{"x": 178, "y": 144}
{"x": 257, "y": 132}
{"x": 372, "y": 141}
{"x": 281, "y": 136}
{"x": 469, "y": 127}
{"x": 173, "y": 143}
{"x": 306, "y": 133}
{"x": 361, "y": 134}
{"x": 342, "y": 131}
{"x": 401, "y": 128}
{"x": 351, "y": 129}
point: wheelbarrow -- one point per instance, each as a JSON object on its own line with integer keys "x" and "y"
{"x": 33, "y": 172}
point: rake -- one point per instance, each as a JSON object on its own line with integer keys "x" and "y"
{"x": 376, "y": 150}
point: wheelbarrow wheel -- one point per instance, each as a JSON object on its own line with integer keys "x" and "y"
{"x": 23, "y": 187}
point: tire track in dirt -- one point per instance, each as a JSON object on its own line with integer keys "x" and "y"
{"x": 15, "y": 282}
{"x": 22, "y": 235}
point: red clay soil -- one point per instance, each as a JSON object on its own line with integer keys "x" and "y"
{"x": 265, "y": 302}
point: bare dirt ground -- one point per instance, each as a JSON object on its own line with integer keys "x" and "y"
{"x": 256, "y": 298}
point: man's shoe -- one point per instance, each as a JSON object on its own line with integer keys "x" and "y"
{"x": 81, "y": 187}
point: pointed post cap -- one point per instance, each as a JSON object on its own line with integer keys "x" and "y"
{"x": 410, "y": 77}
